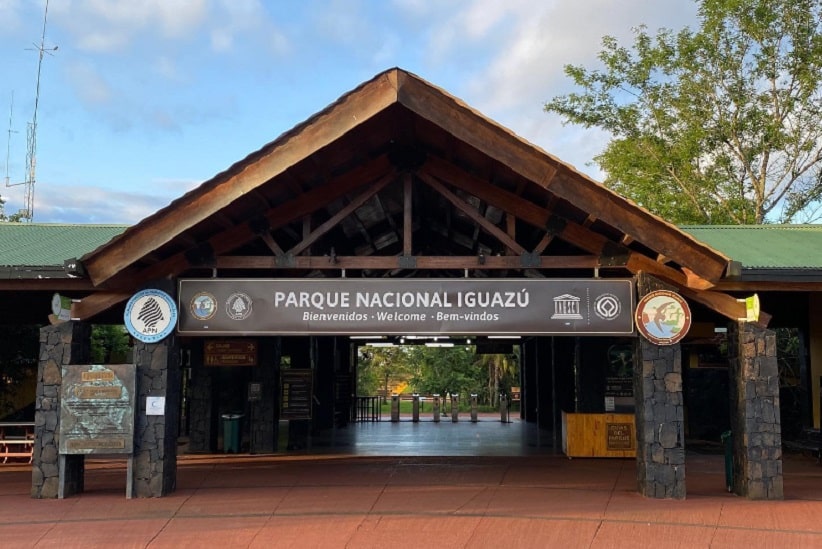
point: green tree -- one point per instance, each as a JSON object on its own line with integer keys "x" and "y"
{"x": 109, "y": 344}
{"x": 502, "y": 371}
{"x": 441, "y": 370}
{"x": 381, "y": 367}
{"x": 15, "y": 218}
{"x": 722, "y": 124}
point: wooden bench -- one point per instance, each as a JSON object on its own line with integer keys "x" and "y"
{"x": 16, "y": 440}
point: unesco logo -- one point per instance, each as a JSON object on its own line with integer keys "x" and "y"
{"x": 607, "y": 306}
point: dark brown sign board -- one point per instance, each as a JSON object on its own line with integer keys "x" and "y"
{"x": 296, "y": 394}
{"x": 465, "y": 306}
{"x": 230, "y": 352}
{"x": 97, "y": 405}
{"x": 620, "y": 436}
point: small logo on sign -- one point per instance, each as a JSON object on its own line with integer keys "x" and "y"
{"x": 607, "y": 306}
{"x": 238, "y": 306}
{"x": 203, "y": 306}
{"x": 150, "y": 315}
{"x": 566, "y": 307}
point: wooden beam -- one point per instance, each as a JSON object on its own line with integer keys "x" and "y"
{"x": 272, "y": 244}
{"x": 492, "y": 229}
{"x": 46, "y": 285}
{"x": 641, "y": 263}
{"x": 89, "y": 306}
{"x": 546, "y": 240}
{"x": 339, "y": 216}
{"x": 726, "y": 305}
{"x": 340, "y": 118}
{"x": 407, "y": 218}
{"x": 494, "y": 262}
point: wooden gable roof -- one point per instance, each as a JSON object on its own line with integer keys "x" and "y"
{"x": 399, "y": 178}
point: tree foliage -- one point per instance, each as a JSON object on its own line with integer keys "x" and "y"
{"x": 109, "y": 343}
{"x": 16, "y": 218}
{"x": 436, "y": 370}
{"x": 722, "y": 124}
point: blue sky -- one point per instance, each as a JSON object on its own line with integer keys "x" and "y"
{"x": 145, "y": 99}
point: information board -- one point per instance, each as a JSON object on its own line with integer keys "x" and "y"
{"x": 97, "y": 409}
{"x": 296, "y": 395}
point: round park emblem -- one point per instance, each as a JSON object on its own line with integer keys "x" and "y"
{"x": 150, "y": 315}
{"x": 663, "y": 317}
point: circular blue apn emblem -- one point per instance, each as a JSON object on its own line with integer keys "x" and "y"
{"x": 150, "y": 315}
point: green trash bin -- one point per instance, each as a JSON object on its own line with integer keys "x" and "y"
{"x": 231, "y": 433}
{"x": 728, "y": 444}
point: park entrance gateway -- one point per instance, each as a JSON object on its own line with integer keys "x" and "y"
{"x": 405, "y": 195}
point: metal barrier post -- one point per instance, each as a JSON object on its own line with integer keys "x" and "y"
{"x": 474, "y": 407}
{"x": 436, "y": 408}
{"x": 415, "y": 407}
{"x": 455, "y": 407}
{"x": 503, "y": 408}
{"x": 395, "y": 408}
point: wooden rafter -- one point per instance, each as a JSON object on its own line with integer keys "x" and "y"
{"x": 460, "y": 204}
{"x": 95, "y": 303}
{"x": 407, "y": 219}
{"x": 339, "y": 216}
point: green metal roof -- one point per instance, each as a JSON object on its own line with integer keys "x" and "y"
{"x": 49, "y": 244}
{"x": 764, "y": 246}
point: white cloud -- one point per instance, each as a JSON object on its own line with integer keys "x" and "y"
{"x": 247, "y": 21}
{"x": 94, "y": 204}
{"x": 107, "y": 26}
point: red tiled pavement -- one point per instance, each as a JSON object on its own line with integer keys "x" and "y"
{"x": 398, "y": 502}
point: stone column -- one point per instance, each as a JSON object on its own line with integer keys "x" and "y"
{"x": 755, "y": 420}
{"x": 155, "y": 436}
{"x": 660, "y": 424}
{"x": 60, "y": 345}
{"x": 199, "y": 418}
{"x": 264, "y": 411}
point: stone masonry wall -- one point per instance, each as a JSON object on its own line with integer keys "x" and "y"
{"x": 155, "y": 436}
{"x": 660, "y": 423}
{"x": 755, "y": 419}
{"x": 60, "y": 345}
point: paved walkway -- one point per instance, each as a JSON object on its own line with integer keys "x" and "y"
{"x": 341, "y": 500}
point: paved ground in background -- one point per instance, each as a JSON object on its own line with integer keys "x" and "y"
{"x": 339, "y": 500}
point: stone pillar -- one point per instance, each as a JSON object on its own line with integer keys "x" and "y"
{"x": 755, "y": 420}
{"x": 264, "y": 411}
{"x": 199, "y": 419}
{"x": 155, "y": 436}
{"x": 660, "y": 424}
{"x": 60, "y": 345}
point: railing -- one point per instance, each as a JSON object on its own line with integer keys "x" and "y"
{"x": 16, "y": 440}
{"x": 367, "y": 408}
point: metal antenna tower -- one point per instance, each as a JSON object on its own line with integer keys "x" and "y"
{"x": 8, "y": 143}
{"x": 27, "y": 213}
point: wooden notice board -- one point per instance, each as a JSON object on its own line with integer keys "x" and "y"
{"x": 598, "y": 435}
